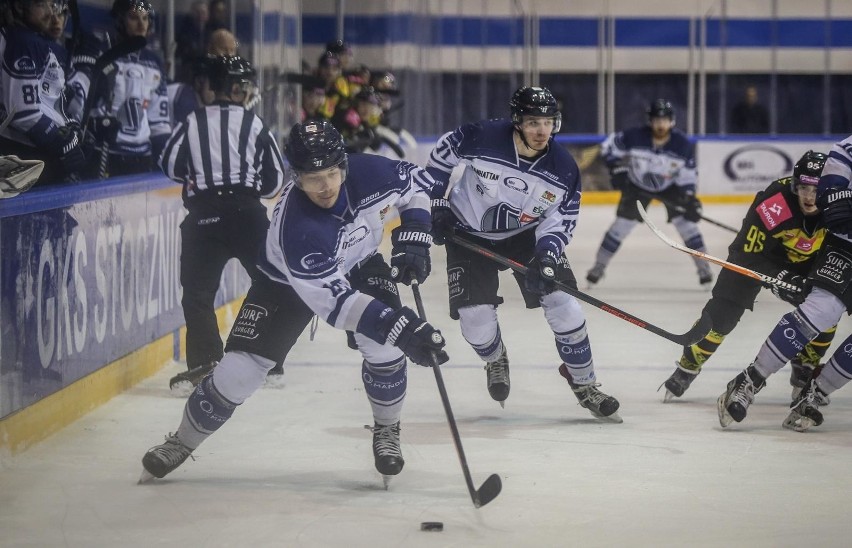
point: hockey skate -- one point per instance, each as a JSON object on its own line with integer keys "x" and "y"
{"x": 163, "y": 459}
{"x": 386, "y": 450}
{"x": 804, "y": 411}
{"x": 678, "y": 382}
{"x": 733, "y": 404}
{"x": 497, "y": 376}
{"x": 800, "y": 376}
{"x": 275, "y": 377}
{"x": 705, "y": 276}
{"x": 600, "y": 405}
{"x": 594, "y": 275}
{"x": 184, "y": 383}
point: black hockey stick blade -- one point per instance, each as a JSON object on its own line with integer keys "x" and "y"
{"x": 489, "y": 490}
{"x": 681, "y": 209}
{"x": 127, "y": 46}
{"x": 701, "y": 327}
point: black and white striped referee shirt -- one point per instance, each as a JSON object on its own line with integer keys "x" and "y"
{"x": 224, "y": 149}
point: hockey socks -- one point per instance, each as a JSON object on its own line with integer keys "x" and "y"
{"x": 576, "y": 353}
{"x": 385, "y": 384}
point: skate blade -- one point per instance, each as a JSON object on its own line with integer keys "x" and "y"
{"x": 725, "y": 418}
{"x": 797, "y": 422}
{"x": 181, "y": 389}
{"x": 669, "y": 397}
{"x": 275, "y": 382}
{"x": 502, "y": 404}
{"x": 615, "y": 418}
{"x": 386, "y": 481}
{"x": 145, "y": 477}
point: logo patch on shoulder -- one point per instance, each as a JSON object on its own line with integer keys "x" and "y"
{"x": 773, "y": 211}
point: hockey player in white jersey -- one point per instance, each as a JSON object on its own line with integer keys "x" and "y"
{"x": 830, "y": 284}
{"x": 32, "y": 93}
{"x": 134, "y": 97}
{"x": 519, "y": 195}
{"x": 321, "y": 258}
{"x": 652, "y": 161}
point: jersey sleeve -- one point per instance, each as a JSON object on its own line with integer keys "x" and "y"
{"x": 414, "y": 201}
{"x": 274, "y": 170}
{"x": 557, "y": 225}
{"x": 837, "y": 172}
{"x": 158, "y": 110}
{"x": 614, "y": 149}
{"x": 446, "y": 155}
{"x": 175, "y": 158}
{"x": 687, "y": 178}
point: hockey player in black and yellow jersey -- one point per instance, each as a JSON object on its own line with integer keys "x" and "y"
{"x": 781, "y": 234}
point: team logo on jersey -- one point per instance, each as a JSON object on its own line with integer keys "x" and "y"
{"x": 547, "y": 197}
{"x": 480, "y": 189}
{"x": 356, "y": 236}
{"x": 314, "y": 261}
{"x": 517, "y": 184}
{"x": 773, "y": 211}
{"x": 24, "y": 64}
{"x": 538, "y": 210}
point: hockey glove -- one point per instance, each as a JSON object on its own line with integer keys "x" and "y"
{"x": 443, "y": 221}
{"x": 87, "y": 52}
{"x": 71, "y": 151}
{"x": 618, "y": 177}
{"x": 410, "y": 253}
{"x": 792, "y": 296}
{"x": 541, "y": 272}
{"x": 836, "y": 206}
{"x": 691, "y": 207}
{"x": 422, "y": 343}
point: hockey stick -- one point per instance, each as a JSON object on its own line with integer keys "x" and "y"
{"x": 695, "y": 334}
{"x": 492, "y": 486}
{"x": 769, "y": 280}
{"x": 103, "y": 66}
{"x": 681, "y": 209}
{"x": 77, "y": 32}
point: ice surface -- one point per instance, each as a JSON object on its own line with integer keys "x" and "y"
{"x": 294, "y": 466}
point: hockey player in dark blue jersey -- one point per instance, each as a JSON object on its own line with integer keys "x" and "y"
{"x": 518, "y": 195}
{"x": 652, "y": 161}
{"x": 321, "y": 258}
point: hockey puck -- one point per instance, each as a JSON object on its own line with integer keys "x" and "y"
{"x": 432, "y": 526}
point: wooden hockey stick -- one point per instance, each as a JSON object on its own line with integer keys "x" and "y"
{"x": 681, "y": 209}
{"x": 492, "y": 485}
{"x": 769, "y": 280}
{"x": 695, "y": 334}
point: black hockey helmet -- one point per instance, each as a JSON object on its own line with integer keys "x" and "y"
{"x": 808, "y": 170}
{"x": 120, "y": 7}
{"x": 660, "y": 108}
{"x": 226, "y": 70}
{"x": 534, "y": 101}
{"x": 338, "y": 47}
{"x": 315, "y": 145}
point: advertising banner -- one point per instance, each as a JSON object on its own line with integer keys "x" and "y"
{"x": 88, "y": 278}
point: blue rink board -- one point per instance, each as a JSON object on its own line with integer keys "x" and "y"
{"x": 89, "y": 273}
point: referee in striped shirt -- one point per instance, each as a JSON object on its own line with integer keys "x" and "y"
{"x": 226, "y": 159}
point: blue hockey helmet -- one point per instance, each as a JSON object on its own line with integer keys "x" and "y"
{"x": 315, "y": 145}
{"x": 535, "y": 101}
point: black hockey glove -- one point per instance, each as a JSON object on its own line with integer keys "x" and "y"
{"x": 836, "y": 206}
{"x": 443, "y": 221}
{"x": 691, "y": 207}
{"x": 410, "y": 254}
{"x": 618, "y": 177}
{"x": 422, "y": 343}
{"x": 70, "y": 150}
{"x": 792, "y": 296}
{"x": 541, "y": 272}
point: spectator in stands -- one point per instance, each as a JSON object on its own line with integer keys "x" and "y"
{"x": 336, "y": 89}
{"x": 357, "y": 123}
{"x": 222, "y": 42}
{"x": 748, "y": 115}
{"x": 343, "y": 51}
{"x": 313, "y": 98}
{"x": 218, "y": 17}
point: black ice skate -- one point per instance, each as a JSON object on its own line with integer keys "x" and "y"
{"x": 733, "y": 404}
{"x": 800, "y": 376}
{"x": 678, "y": 382}
{"x": 705, "y": 276}
{"x": 163, "y": 459}
{"x": 600, "y": 405}
{"x": 497, "y": 376}
{"x": 386, "y": 451}
{"x": 275, "y": 377}
{"x": 183, "y": 383}
{"x": 804, "y": 411}
{"x": 595, "y": 274}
